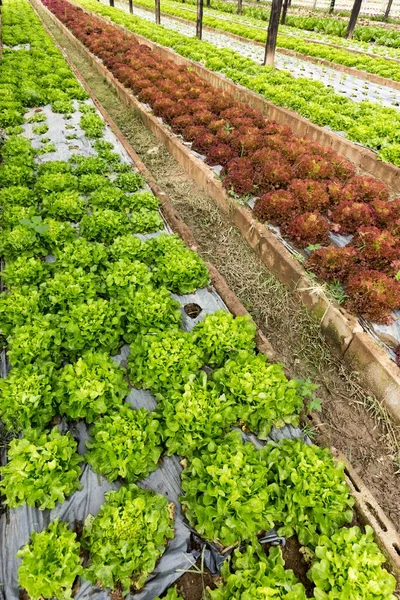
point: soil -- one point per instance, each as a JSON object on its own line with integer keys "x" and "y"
{"x": 191, "y": 585}
{"x": 295, "y": 560}
{"x": 355, "y": 422}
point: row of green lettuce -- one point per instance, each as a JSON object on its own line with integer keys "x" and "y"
{"x": 62, "y": 319}
{"x": 375, "y": 65}
{"x": 373, "y": 126}
{"x": 321, "y": 24}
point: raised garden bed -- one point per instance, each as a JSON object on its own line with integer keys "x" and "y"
{"x": 341, "y": 327}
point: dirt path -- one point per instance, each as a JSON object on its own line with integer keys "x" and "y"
{"x": 355, "y": 422}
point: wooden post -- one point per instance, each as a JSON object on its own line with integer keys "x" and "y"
{"x": 239, "y": 10}
{"x": 284, "y": 11}
{"x": 332, "y": 7}
{"x": 131, "y": 6}
{"x": 208, "y": 3}
{"x": 199, "y": 21}
{"x": 158, "y": 12}
{"x": 273, "y": 25}
{"x": 112, "y": 3}
{"x": 353, "y": 19}
{"x": 387, "y": 11}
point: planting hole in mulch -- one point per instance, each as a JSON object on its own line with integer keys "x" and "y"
{"x": 295, "y": 560}
{"x": 192, "y": 310}
{"x": 192, "y": 585}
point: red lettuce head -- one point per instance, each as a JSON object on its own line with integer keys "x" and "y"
{"x": 386, "y": 212}
{"x": 332, "y": 264}
{"x": 203, "y": 142}
{"x": 373, "y": 295}
{"x": 219, "y": 154}
{"x": 352, "y": 215}
{"x": 311, "y": 194}
{"x": 307, "y": 228}
{"x": 276, "y": 207}
{"x": 377, "y": 248}
{"x": 365, "y": 189}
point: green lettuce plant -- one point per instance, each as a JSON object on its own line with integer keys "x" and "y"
{"x": 90, "y": 387}
{"x": 314, "y": 497}
{"x": 127, "y": 537}
{"x": 195, "y": 417}
{"x": 93, "y": 125}
{"x": 68, "y": 287}
{"x": 227, "y": 496}
{"x": 127, "y": 247}
{"x": 12, "y": 215}
{"x": 20, "y": 195}
{"x": 89, "y": 182}
{"x": 94, "y": 323}
{"x": 262, "y": 392}
{"x": 129, "y": 182}
{"x": 66, "y": 206}
{"x": 348, "y": 564}
{"x": 27, "y": 397}
{"x": 108, "y": 196}
{"x": 50, "y": 563}
{"x": 38, "y": 340}
{"x": 220, "y": 336}
{"x": 88, "y": 164}
{"x": 163, "y": 361}
{"x": 174, "y": 265}
{"x": 18, "y": 307}
{"x": 52, "y": 183}
{"x": 252, "y": 573}
{"x": 144, "y": 220}
{"x": 126, "y": 444}
{"x": 104, "y": 225}
{"x": 125, "y": 274}
{"x": 82, "y": 254}
{"x": 42, "y": 469}
{"x": 24, "y": 271}
{"x": 148, "y": 310}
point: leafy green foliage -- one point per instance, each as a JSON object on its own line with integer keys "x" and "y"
{"x": 12, "y": 215}
{"x": 94, "y": 323}
{"x": 92, "y": 181}
{"x": 144, "y": 220}
{"x": 38, "y": 340}
{"x": 24, "y": 271}
{"x": 163, "y": 361}
{"x": 264, "y": 395}
{"x": 27, "y": 397}
{"x": 19, "y": 307}
{"x": 127, "y": 247}
{"x": 108, "y": 196}
{"x": 125, "y": 274}
{"x": 126, "y": 444}
{"x": 89, "y": 164}
{"x": 251, "y": 574}
{"x": 175, "y": 266}
{"x": 127, "y": 537}
{"x": 141, "y": 200}
{"x": 349, "y": 565}
{"x": 42, "y": 469}
{"x": 92, "y": 125}
{"x": 90, "y": 387}
{"x": 50, "y": 563}
{"x": 57, "y": 233}
{"x": 21, "y": 241}
{"x": 68, "y": 287}
{"x": 103, "y": 225}
{"x": 172, "y": 594}
{"x": 51, "y": 183}
{"x": 67, "y": 205}
{"x": 148, "y": 310}
{"x": 80, "y": 253}
{"x": 226, "y": 494}
{"x": 314, "y": 497}
{"x": 15, "y": 175}
{"x": 20, "y": 195}
{"x": 195, "y": 417}
{"x": 221, "y": 336}
{"x": 129, "y": 182}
